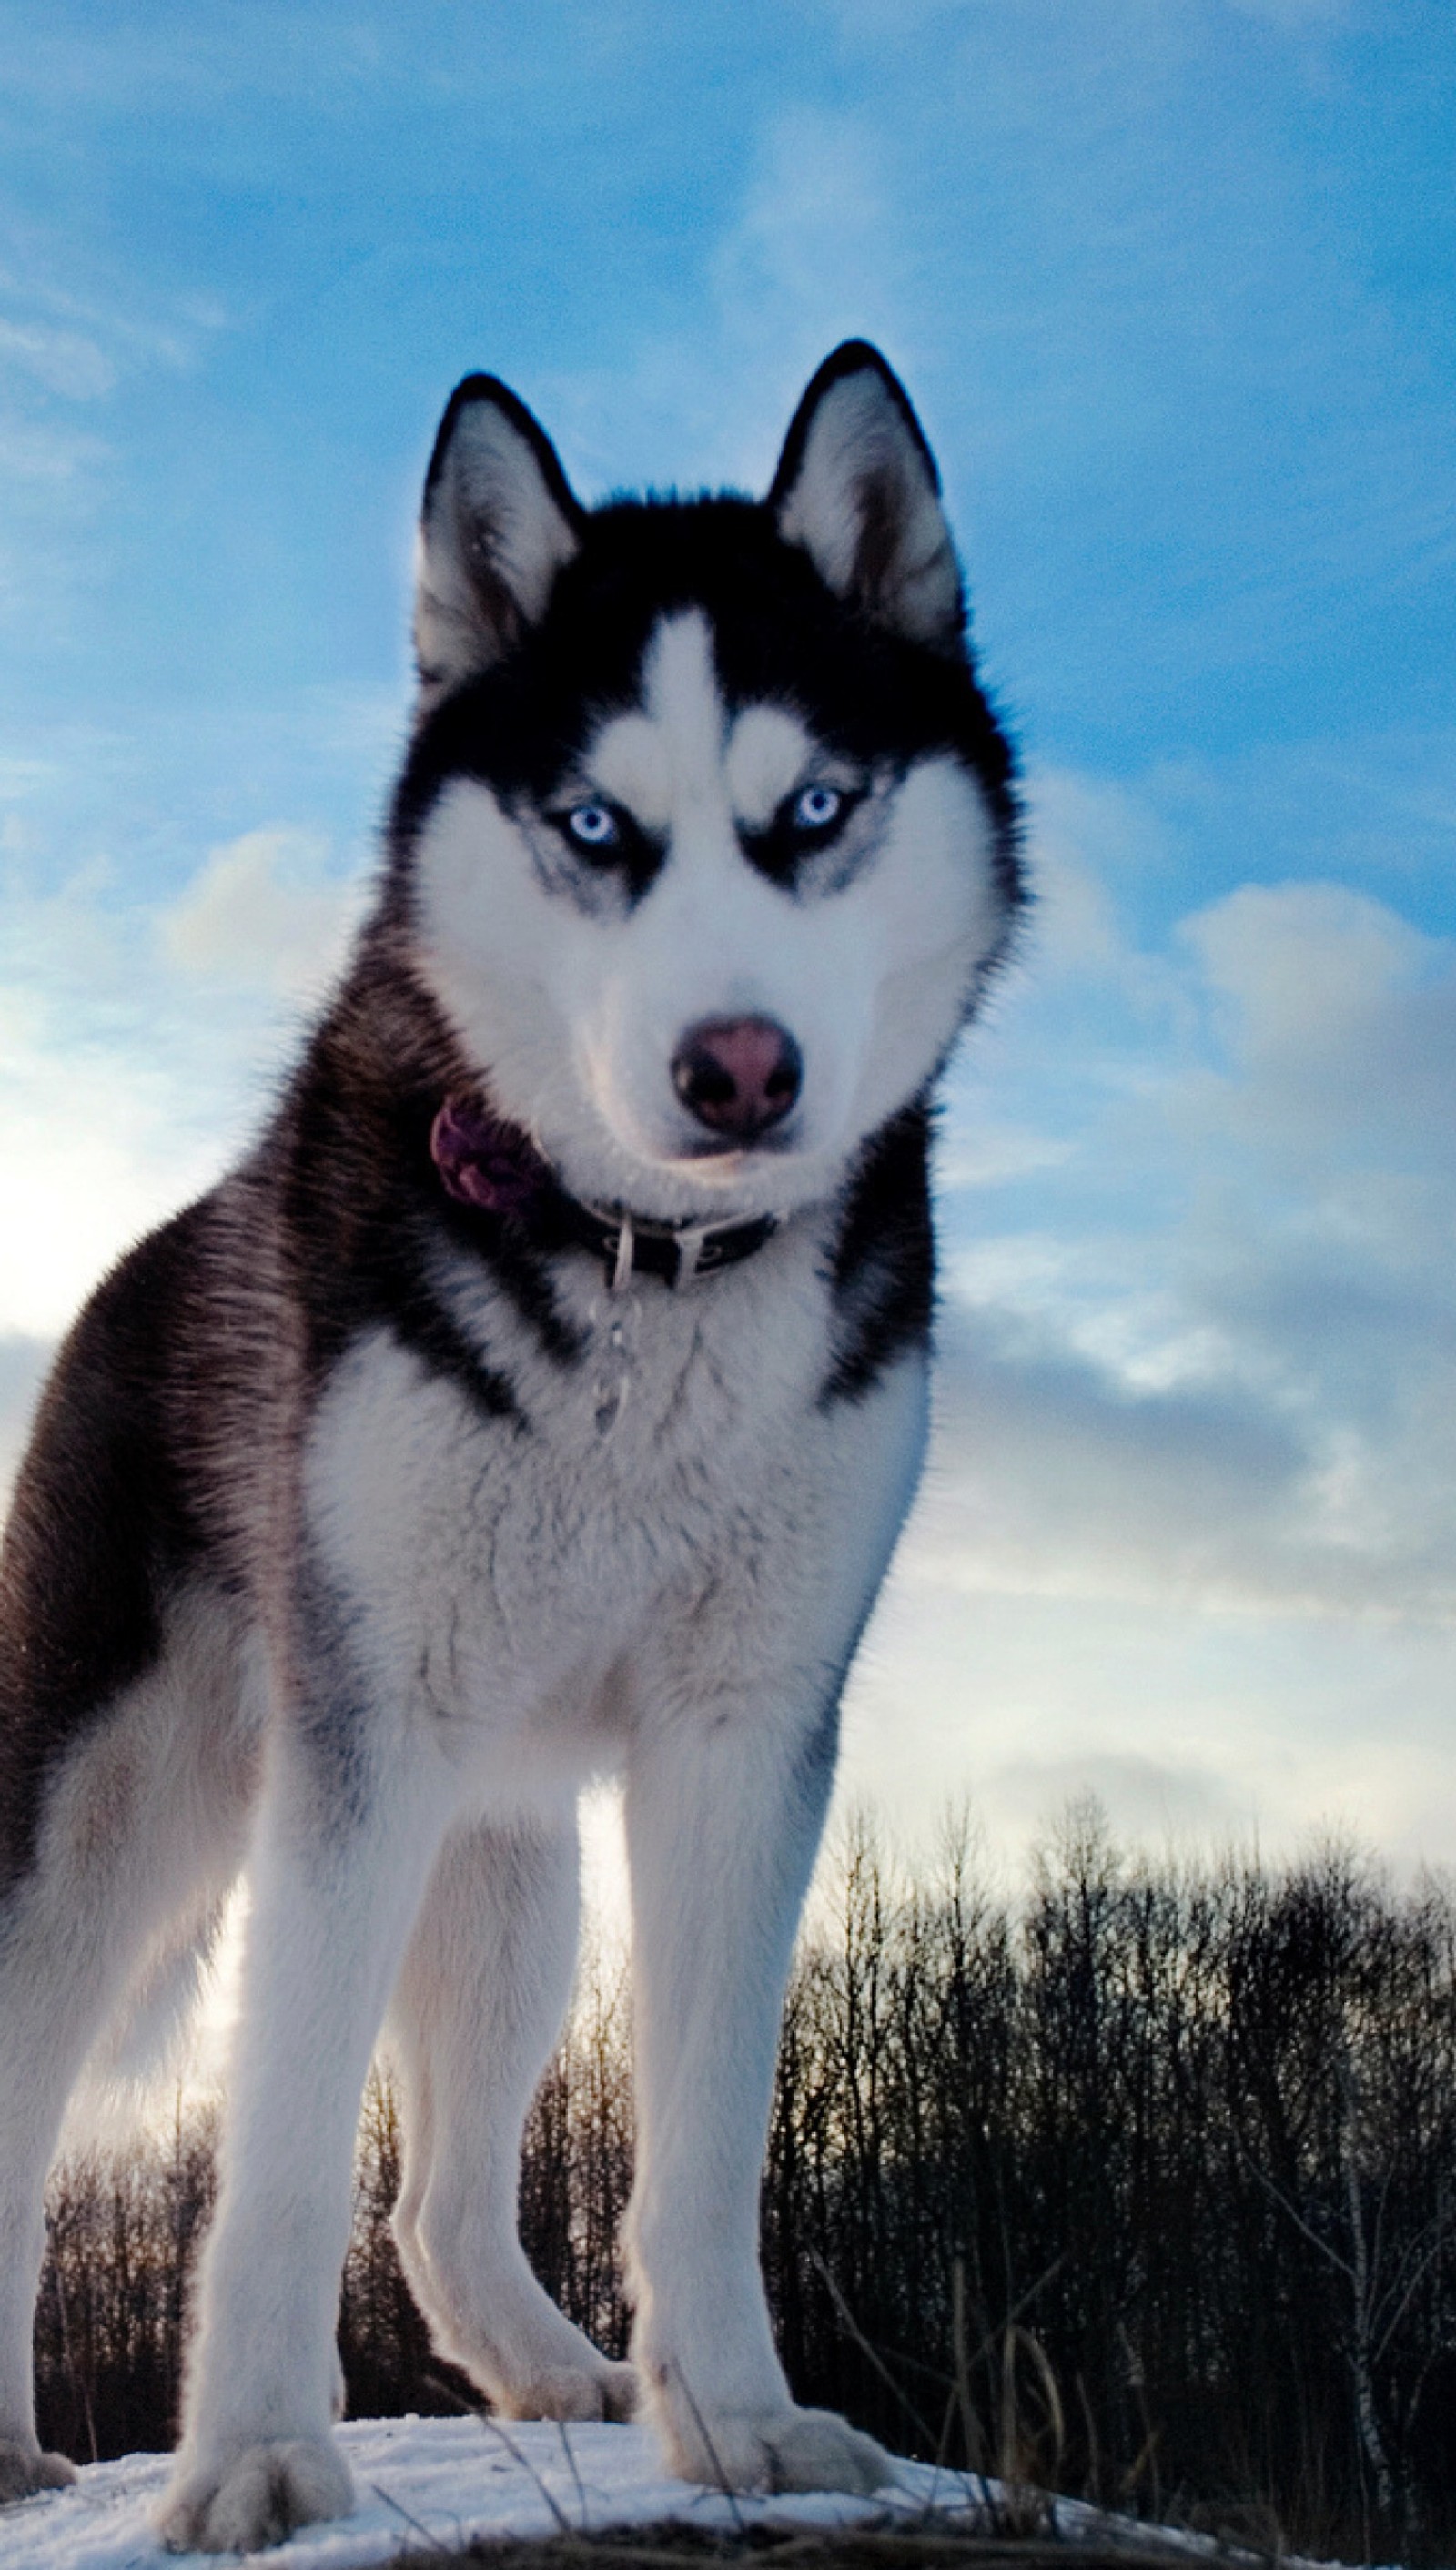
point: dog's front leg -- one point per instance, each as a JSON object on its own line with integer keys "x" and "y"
{"x": 724, "y": 1804}
{"x": 349, "y": 1827}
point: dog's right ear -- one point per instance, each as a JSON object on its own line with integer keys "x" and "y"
{"x": 499, "y": 519}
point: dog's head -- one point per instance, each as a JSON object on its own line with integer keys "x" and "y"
{"x": 705, "y": 841}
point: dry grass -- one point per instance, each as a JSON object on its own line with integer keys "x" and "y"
{"x": 934, "y": 2542}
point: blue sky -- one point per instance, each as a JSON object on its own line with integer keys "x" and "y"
{"x": 1171, "y": 282}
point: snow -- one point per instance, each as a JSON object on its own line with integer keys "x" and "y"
{"x": 433, "y": 2484}
{"x": 437, "y": 2483}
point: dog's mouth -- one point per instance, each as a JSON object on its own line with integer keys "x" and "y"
{"x": 730, "y": 1155}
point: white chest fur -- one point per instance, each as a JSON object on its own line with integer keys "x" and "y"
{"x": 499, "y": 1575}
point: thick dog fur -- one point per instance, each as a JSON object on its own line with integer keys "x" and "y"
{"x": 365, "y": 1516}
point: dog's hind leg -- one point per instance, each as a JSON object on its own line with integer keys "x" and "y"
{"x": 141, "y": 1825}
{"x": 478, "y": 2007}
{"x": 54, "y": 1987}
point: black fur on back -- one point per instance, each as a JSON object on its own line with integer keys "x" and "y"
{"x": 101, "y": 1528}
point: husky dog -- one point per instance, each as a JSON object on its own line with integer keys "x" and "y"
{"x": 542, "y": 1398}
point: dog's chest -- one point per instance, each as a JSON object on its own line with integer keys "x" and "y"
{"x": 496, "y": 1558}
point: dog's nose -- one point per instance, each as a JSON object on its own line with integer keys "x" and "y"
{"x": 737, "y": 1075}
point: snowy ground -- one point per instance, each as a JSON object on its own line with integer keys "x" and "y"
{"x": 438, "y": 2481}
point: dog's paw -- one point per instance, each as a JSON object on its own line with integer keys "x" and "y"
{"x": 772, "y": 2451}
{"x": 261, "y": 2496}
{"x": 601, "y": 2389}
{"x": 24, "y": 2470}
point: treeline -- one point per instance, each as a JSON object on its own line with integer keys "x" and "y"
{"x": 1142, "y": 2185}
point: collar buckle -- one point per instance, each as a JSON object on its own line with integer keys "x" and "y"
{"x": 676, "y": 1256}
{"x": 690, "y": 1245}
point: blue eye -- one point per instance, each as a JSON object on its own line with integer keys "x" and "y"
{"x": 593, "y": 825}
{"x": 817, "y": 807}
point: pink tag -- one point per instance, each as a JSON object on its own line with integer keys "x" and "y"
{"x": 483, "y": 1162}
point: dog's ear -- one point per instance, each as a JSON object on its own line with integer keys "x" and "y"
{"x": 498, "y": 522}
{"x": 857, "y": 486}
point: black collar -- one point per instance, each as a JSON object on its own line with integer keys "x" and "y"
{"x": 494, "y": 1167}
{"x": 676, "y": 1252}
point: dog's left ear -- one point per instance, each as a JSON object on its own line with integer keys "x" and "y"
{"x": 857, "y": 486}
{"x": 499, "y": 519}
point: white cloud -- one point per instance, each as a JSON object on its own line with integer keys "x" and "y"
{"x": 1237, "y": 1725}
{"x": 814, "y": 255}
{"x": 32, "y": 452}
{"x": 1226, "y": 1384}
{"x": 263, "y": 914}
{"x": 135, "y": 1049}
{"x": 1054, "y": 1476}
{"x": 64, "y": 361}
{"x": 815, "y": 233}
{"x": 983, "y": 1156}
{"x": 1340, "y": 1018}
{"x": 95, "y": 1153}
{"x": 1086, "y": 836}
{"x": 1189, "y": 1531}
{"x": 1143, "y": 1797}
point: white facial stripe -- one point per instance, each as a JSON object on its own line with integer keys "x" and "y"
{"x": 683, "y": 700}
{"x": 667, "y": 761}
{"x": 672, "y": 758}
